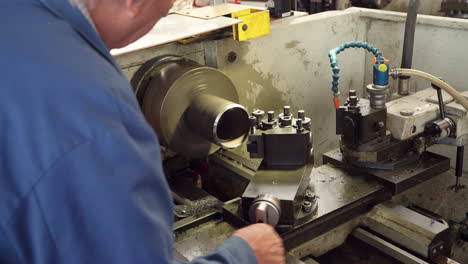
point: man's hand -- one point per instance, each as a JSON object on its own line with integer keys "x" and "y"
{"x": 265, "y": 242}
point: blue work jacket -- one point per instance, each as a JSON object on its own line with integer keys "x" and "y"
{"x": 80, "y": 169}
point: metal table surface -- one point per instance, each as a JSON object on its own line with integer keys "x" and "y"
{"x": 340, "y": 198}
{"x": 400, "y": 179}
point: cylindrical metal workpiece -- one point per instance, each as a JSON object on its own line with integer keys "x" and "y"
{"x": 218, "y": 120}
{"x": 192, "y": 108}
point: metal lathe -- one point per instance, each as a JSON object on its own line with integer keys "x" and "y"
{"x": 359, "y": 175}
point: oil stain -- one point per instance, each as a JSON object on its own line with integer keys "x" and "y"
{"x": 256, "y": 89}
{"x": 294, "y": 46}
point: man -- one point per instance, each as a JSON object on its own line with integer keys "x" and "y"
{"x": 80, "y": 171}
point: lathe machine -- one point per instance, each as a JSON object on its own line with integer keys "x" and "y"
{"x": 229, "y": 166}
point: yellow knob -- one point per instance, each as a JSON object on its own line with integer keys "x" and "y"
{"x": 383, "y": 67}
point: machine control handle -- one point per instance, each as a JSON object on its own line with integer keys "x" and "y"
{"x": 265, "y": 209}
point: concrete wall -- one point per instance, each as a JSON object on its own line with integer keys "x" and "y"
{"x": 439, "y": 48}
{"x": 291, "y": 67}
{"x": 426, "y": 7}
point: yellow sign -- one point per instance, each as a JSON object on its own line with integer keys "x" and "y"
{"x": 255, "y": 23}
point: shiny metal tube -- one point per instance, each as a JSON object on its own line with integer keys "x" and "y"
{"x": 434, "y": 80}
{"x": 404, "y": 85}
{"x": 218, "y": 120}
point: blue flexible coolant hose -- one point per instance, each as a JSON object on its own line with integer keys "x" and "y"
{"x": 334, "y": 60}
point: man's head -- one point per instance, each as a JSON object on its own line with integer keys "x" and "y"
{"x": 121, "y": 22}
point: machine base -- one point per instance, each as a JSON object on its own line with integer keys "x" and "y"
{"x": 400, "y": 179}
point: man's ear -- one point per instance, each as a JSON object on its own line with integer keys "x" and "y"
{"x": 134, "y": 7}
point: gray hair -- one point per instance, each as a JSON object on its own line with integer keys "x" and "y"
{"x": 82, "y": 3}
{"x": 84, "y": 6}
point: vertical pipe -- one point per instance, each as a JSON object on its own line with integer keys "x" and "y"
{"x": 459, "y": 164}
{"x": 408, "y": 45}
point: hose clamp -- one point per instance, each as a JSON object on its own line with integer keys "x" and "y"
{"x": 394, "y": 73}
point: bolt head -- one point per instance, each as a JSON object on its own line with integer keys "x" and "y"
{"x": 301, "y": 114}
{"x": 379, "y": 126}
{"x": 407, "y": 112}
{"x": 286, "y": 110}
{"x": 271, "y": 116}
{"x": 310, "y": 196}
{"x": 286, "y": 121}
{"x": 252, "y": 120}
{"x": 232, "y": 57}
{"x": 306, "y": 206}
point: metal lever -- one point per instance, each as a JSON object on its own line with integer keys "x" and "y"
{"x": 440, "y": 100}
{"x": 459, "y": 169}
{"x": 460, "y": 149}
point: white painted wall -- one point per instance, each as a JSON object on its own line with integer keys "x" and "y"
{"x": 426, "y": 7}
